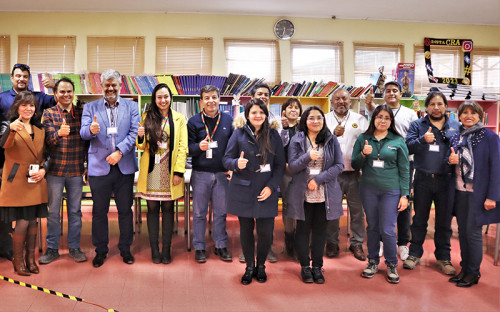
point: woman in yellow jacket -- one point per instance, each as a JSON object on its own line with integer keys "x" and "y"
{"x": 163, "y": 138}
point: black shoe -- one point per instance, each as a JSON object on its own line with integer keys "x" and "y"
{"x": 127, "y": 257}
{"x": 317, "y": 275}
{"x": 98, "y": 260}
{"x": 469, "y": 280}
{"x": 261, "y": 275}
{"x": 155, "y": 255}
{"x": 306, "y": 274}
{"x": 249, "y": 274}
{"x": 167, "y": 257}
{"x": 200, "y": 256}
{"x": 332, "y": 250}
{"x": 223, "y": 254}
{"x": 457, "y": 278}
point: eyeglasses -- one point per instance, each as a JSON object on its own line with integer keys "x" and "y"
{"x": 22, "y": 67}
{"x": 313, "y": 119}
{"x": 380, "y": 118}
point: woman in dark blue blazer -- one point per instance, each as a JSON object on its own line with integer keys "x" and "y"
{"x": 256, "y": 156}
{"x": 475, "y": 193}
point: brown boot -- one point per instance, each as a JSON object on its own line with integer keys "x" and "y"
{"x": 30, "y": 250}
{"x": 18, "y": 259}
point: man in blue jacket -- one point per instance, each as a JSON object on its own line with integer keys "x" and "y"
{"x": 208, "y": 134}
{"x": 111, "y": 125}
{"x": 428, "y": 139}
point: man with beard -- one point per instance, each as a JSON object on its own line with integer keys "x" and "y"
{"x": 20, "y": 78}
{"x": 428, "y": 139}
{"x": 111, "y": 125}
{"x": 347, "y": 125}
{"x": 403, "y": 117}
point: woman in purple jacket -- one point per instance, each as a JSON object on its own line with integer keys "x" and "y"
{"x": 475, "y": 193}
{"x": 314, "y": 195}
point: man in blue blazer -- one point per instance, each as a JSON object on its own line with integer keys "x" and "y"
{"x": 111, "y": 125}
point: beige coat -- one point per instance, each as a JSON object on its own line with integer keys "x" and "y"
{"x": 21, "y": 150}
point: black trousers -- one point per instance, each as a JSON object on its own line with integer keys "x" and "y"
{"x": 5, "y": 239}
{"x": 315, "y": 222}
{"x": 121, "y": 185}
{"x": 404, "y": 218}
{"x": 265, "y": 228}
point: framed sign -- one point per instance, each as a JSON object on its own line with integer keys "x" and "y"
{"x": 466, "y": 45}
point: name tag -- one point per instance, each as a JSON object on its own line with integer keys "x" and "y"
{"x": 162, "y": 145}
{"x": 157, "y": 159}
{"x": 209, "y": 153}
{"x": 433, "y": 148}
{"x": 378, "y": 164}
{"x": 213, "y": 144}
{"x": 265, "y": 168}
{"x": 112, "y": 130}
{"x": 314, "y": 171}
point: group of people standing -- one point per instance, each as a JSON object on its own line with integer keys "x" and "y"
{"x": 240, "y": 166}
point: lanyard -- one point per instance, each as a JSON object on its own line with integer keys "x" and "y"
{"x": 395, "y": 114}
{"x": 339, "y": 121}
{"x": 210, "y": 137}
{"x": 60, "y": 115}
{"x": 163, "y": 129}
{"x": 378, "y": 148}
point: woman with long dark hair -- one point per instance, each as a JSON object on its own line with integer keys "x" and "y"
{"x": 382, "y": 155}
{"x": 291, "y": 111}
{"x": 163, "y": 138}
{"x": 23, "y": 194}
{"x": 314, "y": 195}
{"x": 255, "y": 155}
{"x": 475, "y": 188}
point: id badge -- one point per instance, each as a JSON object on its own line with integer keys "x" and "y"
{"x": 162, "y": 145}
{"x": 213, "y": 144}
{"x": 378, "y": 164}
{"x": 314, "y": 171}
{"x": 209, "y": 153}
{"x": 265, "y": 168}
{"x": 112, "y": 130}
{"x": 157, "y": 159}
{"x": 434, "y": 148}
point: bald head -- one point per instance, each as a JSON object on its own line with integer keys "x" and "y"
{"x": 341, "y": 102}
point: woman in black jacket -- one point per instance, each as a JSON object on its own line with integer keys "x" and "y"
{"x": 256, "y": 156}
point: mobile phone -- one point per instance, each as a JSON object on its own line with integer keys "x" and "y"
{"x": 33, "y": 168}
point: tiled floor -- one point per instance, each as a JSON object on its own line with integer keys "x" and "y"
{"x": 185, "y": 285}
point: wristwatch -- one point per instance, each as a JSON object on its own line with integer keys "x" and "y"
{"x": 117, "y": 149}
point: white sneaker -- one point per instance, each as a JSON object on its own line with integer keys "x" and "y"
{"x": 403, "y": 252}
{"x": 381, "y": 250}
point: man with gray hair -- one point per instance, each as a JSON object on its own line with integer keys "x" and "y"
{"x": 111, "y": 125}
{"x": 347, "y": 125}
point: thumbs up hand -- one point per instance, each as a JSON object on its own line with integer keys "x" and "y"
{"x": 284, "y": 120}
{"x": 429, "y": 136}
{"x": 47, "y": 82}
{"x": 369, "y": 100}
{"x": 17, "y": 125}
{"x": 141, "y": 131}
{"x": 242, "y": 161}
{"x": 94, "y": 126}
{"x": 204, "y": 144}
{"x": 453, "y": 159}
{"x": 339, "y": 130}
{"x": 314, "y": 153}
{"x": 367, "y": 149}
{"x": 64, "y": 129}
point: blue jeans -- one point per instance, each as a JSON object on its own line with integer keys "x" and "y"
{"x": 55, "y": 187}
{"x": 381, "y": 208}
{"x": 429, "y": 189}
{"x": 470, "y": 235}
{"x": 209, "y": 186}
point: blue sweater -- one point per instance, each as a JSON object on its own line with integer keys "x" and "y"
{"x": 197, "y": 133}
